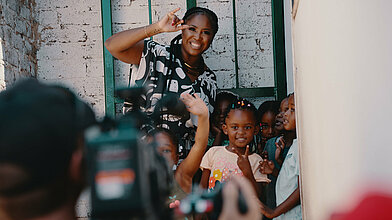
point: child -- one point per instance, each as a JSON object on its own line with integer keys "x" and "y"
{"x": 217, "y": 137}
{"x": 287, "y": 184}
{"x": 267, "y": 113}
{"x": 270, "y": 149}
{"x": 167, "y": 145}
{"x": 219, "y": 163}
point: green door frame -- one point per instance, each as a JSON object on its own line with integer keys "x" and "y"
{"x": 279, "y": 90}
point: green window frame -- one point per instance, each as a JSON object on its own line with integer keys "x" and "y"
{"x": 279, "y": 90}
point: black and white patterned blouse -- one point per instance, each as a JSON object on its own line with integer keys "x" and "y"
{"x": 153, "y": 72}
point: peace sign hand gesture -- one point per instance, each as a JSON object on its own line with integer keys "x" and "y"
{"x": 171, "y": 23}
{"x": 243, "y": 161}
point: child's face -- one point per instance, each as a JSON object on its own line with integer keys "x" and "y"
{"x": 240, "y": 127}
{"x": 289, "y": 115}
{"x": 166, "y": 148}
{"x": 218, "y": 116}
{"x": 284, "y": 105}
{"x": 267, "y": 124}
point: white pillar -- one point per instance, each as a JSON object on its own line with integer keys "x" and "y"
{"x": 343, "y": 85}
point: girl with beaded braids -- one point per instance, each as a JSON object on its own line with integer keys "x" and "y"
{"x": 178, "y": 68}
{"x": 219, "y": 163}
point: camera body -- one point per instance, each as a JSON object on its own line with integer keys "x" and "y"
{"x": 211, "y": 203}
{"x": 128, "y": 177}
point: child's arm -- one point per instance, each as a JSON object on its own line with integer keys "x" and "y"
{"x": 292, "y": 201}
{"x": 205, "y": 176}
{"x": 191, "y": 163}
{"x": 244, "y": 164}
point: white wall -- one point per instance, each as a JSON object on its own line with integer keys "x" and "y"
{"x": 19, "y": 41}
{"x": 289, "y": 46}
{"x": 343, "y": 82}
{"x": 71, "y": 48}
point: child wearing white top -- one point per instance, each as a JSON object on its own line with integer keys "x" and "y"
{"x": 287, "y": 185}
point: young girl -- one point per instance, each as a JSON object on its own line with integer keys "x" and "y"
{"x": 223, "y": 100}
{"x": 219, "y": 163}
{"x": 267, "y": 113}
{"x": 287, "y": 184}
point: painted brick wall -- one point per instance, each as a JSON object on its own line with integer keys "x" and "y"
{"x": 71, "y": 47}
{"x": 19, "y": 41}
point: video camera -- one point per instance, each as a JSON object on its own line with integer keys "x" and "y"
{"x": 128, "y": 177}
{"x": 211, "y": 203}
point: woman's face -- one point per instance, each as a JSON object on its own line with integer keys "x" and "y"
{"x": 197, "y": 38}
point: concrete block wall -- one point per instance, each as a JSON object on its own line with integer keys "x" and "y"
{"x": 19, "y": 41}
{"x": 71, "y": 48}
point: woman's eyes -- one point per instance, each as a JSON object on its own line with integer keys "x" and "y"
{"x": 204, "y": 32}
{"x": 166, "y": 151}
{"x": 234, "y": 127}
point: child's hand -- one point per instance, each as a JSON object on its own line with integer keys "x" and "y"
{"x": 266, "y": 211}
{"x": 194, "y": 104}
{"x": 215, "y": 129}
{"x": 243, "y": 161}
{"x": 266, "y": 167}
{"x": 280, "y": 145}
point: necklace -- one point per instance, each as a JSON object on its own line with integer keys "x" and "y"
{"x": 191, "y": 67}
{"x": 194, "y": 70}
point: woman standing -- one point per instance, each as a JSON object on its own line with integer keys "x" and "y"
{"x": 177, "y": 68}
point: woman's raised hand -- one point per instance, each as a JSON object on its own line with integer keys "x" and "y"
{"x": 171, "y": 23}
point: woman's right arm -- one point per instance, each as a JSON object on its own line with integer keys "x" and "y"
{"x": 128, "y": 45}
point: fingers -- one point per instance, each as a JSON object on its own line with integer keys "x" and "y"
{"x": 184, "y": 26}
{"x": 186, "y": 96}
{"x": 174, "y": 11}
{"x": 247, "y": 151}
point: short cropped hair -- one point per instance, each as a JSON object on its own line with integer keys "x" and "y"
{"x": 39, "y": 129}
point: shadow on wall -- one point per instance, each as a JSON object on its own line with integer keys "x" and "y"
{"x": 19, "y": 41}
{"x": 2, "y": 73}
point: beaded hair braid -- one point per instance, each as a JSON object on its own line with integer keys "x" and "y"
{"x": 242, "y": 104}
